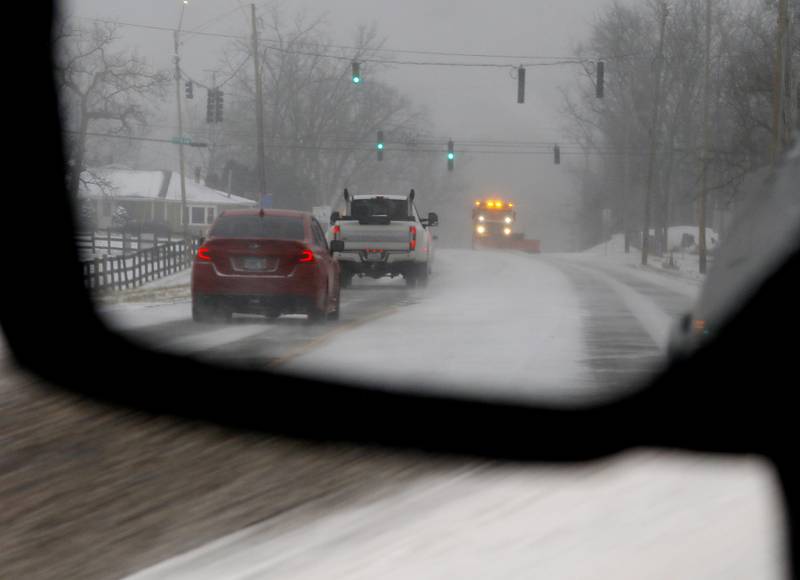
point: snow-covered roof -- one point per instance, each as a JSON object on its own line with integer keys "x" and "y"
{"x": 143, "y": 184}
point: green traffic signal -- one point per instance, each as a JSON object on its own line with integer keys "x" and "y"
{"x": 451, "y": 156}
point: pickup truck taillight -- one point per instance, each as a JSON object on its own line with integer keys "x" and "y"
{"x": 412, "y": 235}
{"x": 337, "y": 230}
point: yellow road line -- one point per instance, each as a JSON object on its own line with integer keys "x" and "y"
{"x": 320, "y": 340}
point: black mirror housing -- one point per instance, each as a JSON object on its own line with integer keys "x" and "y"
{"x": 336, "y": 246}
{"x": 335, "y": 217}
{"x": 433, "y": 219}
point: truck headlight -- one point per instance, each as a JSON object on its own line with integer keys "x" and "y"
{"x": 507, "y": 231}
{"x": 508, "y": 219}
{"x": 481, "y": 229}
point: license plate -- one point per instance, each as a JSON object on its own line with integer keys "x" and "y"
{"x": 255, "y": 263}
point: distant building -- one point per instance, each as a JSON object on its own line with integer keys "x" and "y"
{"x": 152, "y": 200}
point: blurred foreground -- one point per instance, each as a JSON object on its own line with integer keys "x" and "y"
{"x": 93, "y": 493}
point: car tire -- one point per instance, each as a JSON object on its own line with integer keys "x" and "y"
{"x": 201, "y": 312}
{"x": 317, "y": 315}
{"x": 335, "y": 314}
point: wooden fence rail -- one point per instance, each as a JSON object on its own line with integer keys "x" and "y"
{"x": 140, "y": 267}
{"x": 110, "y": 242}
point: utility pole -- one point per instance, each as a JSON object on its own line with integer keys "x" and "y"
{"x": 653, "y": 136}
{"x": 626, "y": 186}
{"x": 701, "y": 210}
{"x": 184, "y": 211}
{"x": 779, "y": 128}
{"x": 262, "y": 173}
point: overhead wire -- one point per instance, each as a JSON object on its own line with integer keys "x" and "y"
{"x": 519, "y": 60}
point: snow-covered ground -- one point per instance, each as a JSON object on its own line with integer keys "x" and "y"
{"x": 643, "y": 515}
{"x": 488, "y": 324}
{"x": 685, "y": 261}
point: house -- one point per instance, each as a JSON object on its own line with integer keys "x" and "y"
{"x": 151, "y": 200}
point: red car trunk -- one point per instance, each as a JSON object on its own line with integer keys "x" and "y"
{"x": 255, "y": 256}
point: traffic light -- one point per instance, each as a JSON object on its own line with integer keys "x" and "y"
{"x": 356, "y": 72}
{"x": 379, "y": 146}
{"x": 189, "y": 90}
{"x": 210, "y": 105}
{"x": 451, "y": 155}
{"x": 556, "y": 155}
{"x": 218, "y": 106}
{"x": 521, "y": 84}
{"x": 601, "y": 73}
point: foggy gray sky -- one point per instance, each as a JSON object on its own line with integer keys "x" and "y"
{"x": 463, "y": 103}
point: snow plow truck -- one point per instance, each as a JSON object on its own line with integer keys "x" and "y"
{"x": 494, "y": 223}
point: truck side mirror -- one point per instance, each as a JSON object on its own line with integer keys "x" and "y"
{"x": 433, "y": 219}
{"x": 336, "y": 246}
{"x": 335, "y": 217}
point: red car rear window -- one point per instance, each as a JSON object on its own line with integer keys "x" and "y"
{"x": 252, "y": 226}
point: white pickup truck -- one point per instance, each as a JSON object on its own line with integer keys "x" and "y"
{"x": 383, "y": 235}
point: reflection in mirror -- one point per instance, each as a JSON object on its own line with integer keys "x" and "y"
{"x": 545, "y": 281}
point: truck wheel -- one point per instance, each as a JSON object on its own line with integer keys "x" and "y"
{"x": 422, "y": 274}
{"x": 346, "y": 280}
{"x": 411, "y": 279}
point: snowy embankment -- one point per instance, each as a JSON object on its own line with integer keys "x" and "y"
{"x": 683, "y": 276}
{"x": 489, "y": 324}
{"x": 640, "y": 515}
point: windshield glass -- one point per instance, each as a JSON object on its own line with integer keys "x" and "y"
{"x": 254, "y": 226}
{"x": 394, "y": 209}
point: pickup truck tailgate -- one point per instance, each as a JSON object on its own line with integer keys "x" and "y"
{"x": 393, "y": 236}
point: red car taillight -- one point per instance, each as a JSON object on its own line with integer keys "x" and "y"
{"x": 203, "y": 254}
{"x": 306, "y": 256}
{"x": 412, "y": 243}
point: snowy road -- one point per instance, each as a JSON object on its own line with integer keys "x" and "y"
{"x": 489, "y": 324}
{"x": 493, "y": 324}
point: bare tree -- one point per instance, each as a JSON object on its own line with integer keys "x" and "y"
{"x": 319, "y": 126}
{"x": 100, "y": 87}
{"x": 742, "y": 59}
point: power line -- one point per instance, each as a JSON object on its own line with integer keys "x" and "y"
{"x": 367, "y": 148}
{"x": 529, "y": 60}
{"x": 133, "y": 138}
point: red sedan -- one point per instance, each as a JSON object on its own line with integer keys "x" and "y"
{"x": 268, "y": 262}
